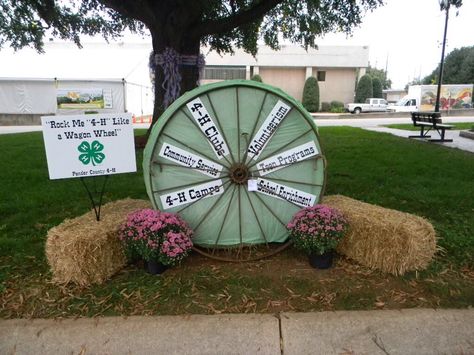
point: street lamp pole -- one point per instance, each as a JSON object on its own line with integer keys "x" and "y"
{"x": 445, "y": 4}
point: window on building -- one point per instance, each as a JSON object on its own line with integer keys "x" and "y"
{"x": 321, "y": 75}
{"x": 223, "y": 73}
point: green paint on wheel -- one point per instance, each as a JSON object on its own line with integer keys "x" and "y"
{"x": 236, "y": 159}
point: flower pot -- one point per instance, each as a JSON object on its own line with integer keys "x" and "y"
{"x": 155, "y": 267}
{"x": 321, "y": 261}
{"x": 134, "y": 260}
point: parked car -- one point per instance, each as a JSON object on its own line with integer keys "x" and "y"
{"x": 370, "y": 105}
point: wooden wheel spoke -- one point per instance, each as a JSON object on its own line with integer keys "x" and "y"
{"x": 256, "y": 217}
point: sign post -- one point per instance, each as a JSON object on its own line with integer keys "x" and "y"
{"x": 84, "y": 146}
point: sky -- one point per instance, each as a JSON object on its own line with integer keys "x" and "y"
{"x": 405, "y": 35}
{"x": 409, "y": 33}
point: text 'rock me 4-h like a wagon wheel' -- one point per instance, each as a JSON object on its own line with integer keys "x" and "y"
{"x": 236, "y": 160}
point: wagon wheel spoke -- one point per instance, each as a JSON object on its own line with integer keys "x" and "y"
{"x": 264, "y": 151}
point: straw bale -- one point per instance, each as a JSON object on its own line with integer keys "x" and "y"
{"x": 384, "y": 239}
{"x": 84, "y": 251}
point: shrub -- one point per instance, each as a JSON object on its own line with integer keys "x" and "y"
{"x": 337, "y": 104}
{"x": 377, "y": 88}
{"x": 337, "y": 110}
{"x": 155, "y": 235}
{"x": 311, "y": 94}
{"x": 364, "y": 89}
{"x": 257, "y": 77}
{"x": 337, "y": 107}
{"x": 325, "y": 107}
{"x": 317, "y": 229}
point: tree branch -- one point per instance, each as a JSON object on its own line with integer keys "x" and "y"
{"x": 226, "y": 24}
{"x": 132, "y": 9}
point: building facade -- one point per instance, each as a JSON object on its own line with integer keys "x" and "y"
{"x": 337, "y": 69}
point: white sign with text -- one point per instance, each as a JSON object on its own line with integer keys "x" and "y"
{"x": 286, "y": 193}
{"x": 286, "y": 158}
{"x": 208, "y": 127}
{"x": 267, "y": 129}
{"x": 89, "y": 145}
{"x": 191, "y": 194}
{"x": 192, "y": 161}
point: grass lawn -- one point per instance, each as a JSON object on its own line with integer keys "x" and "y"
{"x": 428, "y": 180}
{"x": 410, "y": 127}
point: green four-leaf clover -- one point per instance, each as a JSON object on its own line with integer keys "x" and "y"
{"x": 91, "y": 152}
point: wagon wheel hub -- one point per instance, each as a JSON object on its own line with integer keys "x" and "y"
{"x": 239, "y": 173}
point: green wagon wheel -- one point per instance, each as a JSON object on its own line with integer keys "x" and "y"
{"x": 236, "y": 160}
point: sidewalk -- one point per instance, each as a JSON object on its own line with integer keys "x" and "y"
{"x": 458, "y": 141}
{"x": 411, "y": 331}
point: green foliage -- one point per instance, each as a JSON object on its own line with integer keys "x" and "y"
{"x": 381, "y": 75}
{"x": 377, "y": 88}
{"x": 337, "y": 107}
{"x": 257, "y": 77}
{"x": 27, "y": 22}
{"x": 325, "y": 107}
{"x": 364, "y": 88}
{"x": 220, "y": 24}
{"x": 458, "y": 68}
{"x": 311, "y": 94}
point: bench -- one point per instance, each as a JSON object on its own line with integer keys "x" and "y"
{"x": 428, "y": 121}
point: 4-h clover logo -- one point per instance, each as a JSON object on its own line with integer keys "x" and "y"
{"x": 91, "y": 152}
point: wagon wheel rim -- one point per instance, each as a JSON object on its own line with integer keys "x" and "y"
{"x": 236, "y": 160}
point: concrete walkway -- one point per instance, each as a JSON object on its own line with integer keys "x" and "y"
{"x": 411, "y": 331}
{"x": 458, "y": 141}
{"x": 377, "y": 125}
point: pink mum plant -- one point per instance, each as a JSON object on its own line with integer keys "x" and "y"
{"x": 317, "y": 229}
{"x": 155, "y": 235}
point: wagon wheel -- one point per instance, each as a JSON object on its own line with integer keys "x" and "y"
{"x": 236, "y": 160}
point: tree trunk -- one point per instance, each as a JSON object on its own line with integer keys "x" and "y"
{"x": 189, "y": 77}
{"x": 177, "y": 34}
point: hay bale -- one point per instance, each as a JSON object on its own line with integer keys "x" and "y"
{"x": 384, "y": 239}
{"x": 84, "y": 251}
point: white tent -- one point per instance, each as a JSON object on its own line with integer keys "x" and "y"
{"x": 30, "y": 81}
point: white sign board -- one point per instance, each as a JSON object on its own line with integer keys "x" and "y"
{"x": 89, "y": 145}
{"x": 208, "y": 127}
